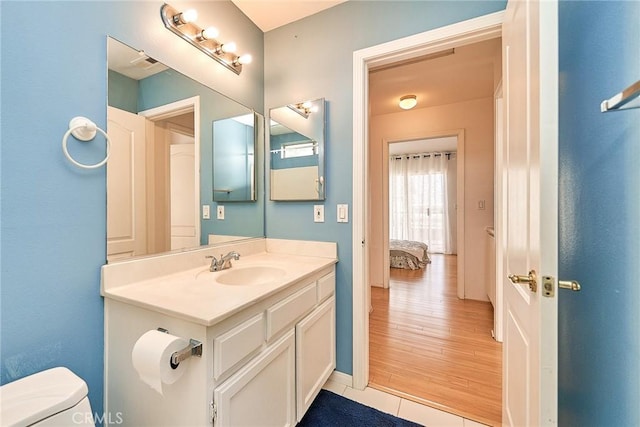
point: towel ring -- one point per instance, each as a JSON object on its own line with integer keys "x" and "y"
{"x": 84, "y": 129}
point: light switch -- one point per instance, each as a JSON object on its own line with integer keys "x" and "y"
{"x": 206, "y": 212}
{"x": 343, "y": 213}
{"x": 318, "y": 213}
{"x": 220, "y": 212}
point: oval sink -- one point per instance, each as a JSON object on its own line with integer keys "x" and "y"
{"x": 256, "y": 275}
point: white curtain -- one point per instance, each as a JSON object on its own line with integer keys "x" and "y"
{"x": 422, "y": 199}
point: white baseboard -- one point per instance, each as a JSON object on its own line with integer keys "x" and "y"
{"x": 341, "y": 378}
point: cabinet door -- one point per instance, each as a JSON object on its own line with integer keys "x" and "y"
{"x": 262, "y": 393}
{"x": 315, "y": 353}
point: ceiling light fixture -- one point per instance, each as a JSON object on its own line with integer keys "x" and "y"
{"x": 407, "y": 102}
{"x": 205, "y": 40}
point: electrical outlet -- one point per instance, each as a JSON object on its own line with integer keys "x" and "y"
{"x": 206, "y": 212}
{"x": 220, "y": 214}
{"x": 318, "y": 213}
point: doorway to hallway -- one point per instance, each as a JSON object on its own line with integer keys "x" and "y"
{"x": 428, "y": 345}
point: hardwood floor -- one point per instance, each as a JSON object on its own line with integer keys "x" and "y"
{"x": 430, "y": 346}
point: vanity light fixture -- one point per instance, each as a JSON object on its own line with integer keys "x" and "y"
{"x": 205, "y": 40}
{"x": 303, "y": 108}
{"x": 407, "y": 102}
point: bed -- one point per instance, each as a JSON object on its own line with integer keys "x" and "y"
{"x": 408, "y": 254}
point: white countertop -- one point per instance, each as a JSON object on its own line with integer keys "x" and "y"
{"x": 196, "y": 296}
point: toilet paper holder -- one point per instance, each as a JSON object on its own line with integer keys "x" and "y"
{"x": 194, "y": 348}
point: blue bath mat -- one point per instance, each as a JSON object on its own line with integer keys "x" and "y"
{"x": 331, "y": 410}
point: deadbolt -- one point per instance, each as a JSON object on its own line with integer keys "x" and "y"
{"x": 530, "y": 280}
{"x": 569, "y": 284}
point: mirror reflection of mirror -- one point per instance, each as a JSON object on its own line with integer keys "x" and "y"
{"x": 161, "y": 169}
{"x": 297, "y": 144}
{"x": 234, "y": 159}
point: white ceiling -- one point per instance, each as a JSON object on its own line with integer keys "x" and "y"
{"x": 130, "y": 62}
{"x": 465, "y": 75}
{"x": 270, "y": 14}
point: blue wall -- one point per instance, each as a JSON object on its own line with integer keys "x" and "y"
{"x": 599, "y": 327}
{"x": 312, "y": 58}
{"x": 122, "y": 92}
{"x": 53, "y": 215}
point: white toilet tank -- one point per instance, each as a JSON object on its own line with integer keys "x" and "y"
{"x": 55, "y": 397}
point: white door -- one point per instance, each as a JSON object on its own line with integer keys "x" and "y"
{"x": 184, "y": 214}
{"x": 530, "y": 325}
{"x": 126, "y": 200}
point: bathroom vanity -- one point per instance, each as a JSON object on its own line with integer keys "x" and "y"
{"x": 267, "y": 328}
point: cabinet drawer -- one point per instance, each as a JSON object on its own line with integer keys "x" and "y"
{"x": 291, "y": 308}
{"x": 326, "y": 286}
{"x": 236, "y": 344}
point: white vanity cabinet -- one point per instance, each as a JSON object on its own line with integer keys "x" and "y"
{"x": 261, "y": 364}
{"x": 276, "y": 387}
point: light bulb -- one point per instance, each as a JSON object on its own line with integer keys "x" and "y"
{"x": 209, "y": 33}
{"x": 185, "y": 17}
{"x": 225, "y": 48}
{"x": 244, "y": 59}
{"x": 229, "y": 47}
{"x": 189, "y": 15}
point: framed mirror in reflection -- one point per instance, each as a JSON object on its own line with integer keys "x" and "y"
{"x": 297, "y": 145}
{"x": 162, "y": 167}
{"x": 234, "y": 158}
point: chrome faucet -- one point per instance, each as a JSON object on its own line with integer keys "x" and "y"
{"x": 224, "y": 262}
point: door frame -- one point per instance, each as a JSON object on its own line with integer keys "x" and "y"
{"x": 471, "y": 31}
{"x": 459, "y": 134}
{"x": 177, "y": 108}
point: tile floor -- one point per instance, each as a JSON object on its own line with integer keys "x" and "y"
{"x": 400, "y": 407}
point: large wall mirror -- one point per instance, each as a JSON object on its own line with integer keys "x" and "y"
{"x": 297, "y": 145}
{"x": 175, "y": 144}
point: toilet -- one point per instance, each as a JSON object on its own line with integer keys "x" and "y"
{"x": 55, "y": 397}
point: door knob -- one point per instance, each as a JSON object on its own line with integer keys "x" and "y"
{"x": 530, "y": 280}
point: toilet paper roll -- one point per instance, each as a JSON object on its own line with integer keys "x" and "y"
{"x": 151, "y": 358}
